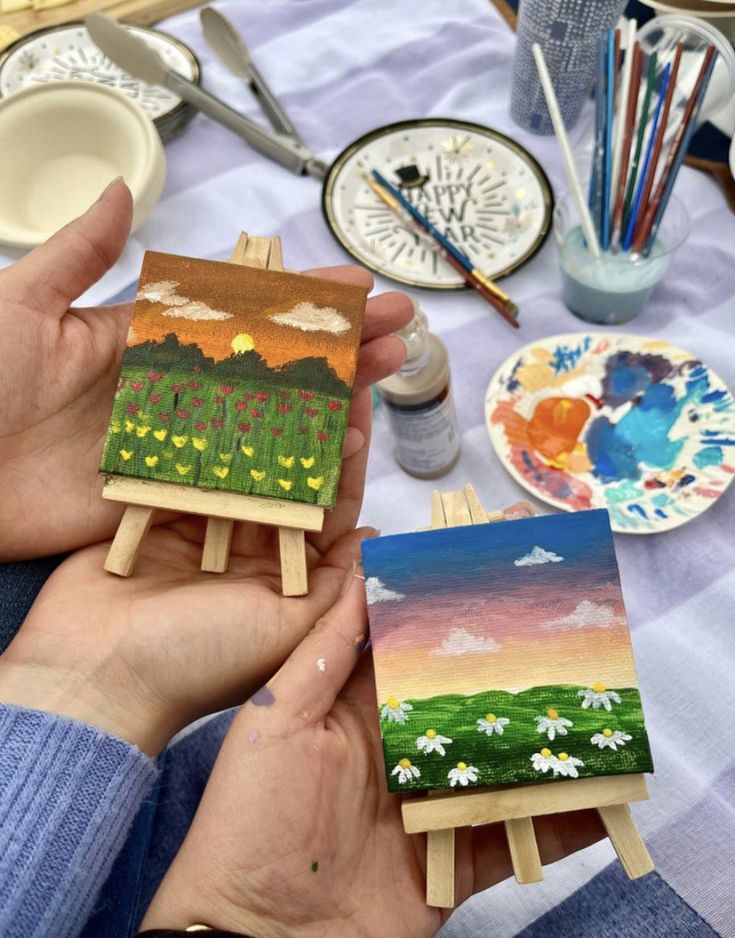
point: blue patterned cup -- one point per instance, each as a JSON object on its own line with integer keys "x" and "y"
{"x": 567, "y": 31}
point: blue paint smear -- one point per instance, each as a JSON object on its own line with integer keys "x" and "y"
{"x": 661, "y": 514}
{"x": 565, "y": 358}
{"x": 661, "y": 500}
{"x": 709, "y": 456}
{"x": 642, "y": 434}
{"x": 714, "y": 396}
{"x": 638, "y": 509}
{"x": 263, "y": 697}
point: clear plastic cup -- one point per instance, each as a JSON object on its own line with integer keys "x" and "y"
{"x": 615, "y": 288}
{"x": 663, "y": 34}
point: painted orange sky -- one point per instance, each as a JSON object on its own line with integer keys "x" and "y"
{"x": 252, "y": 297}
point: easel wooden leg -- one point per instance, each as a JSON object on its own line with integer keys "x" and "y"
{"x": 294, "y": 576}
{"x": 629, "y": 847}
{"x": 217, "y": 540}
{"x": 440, "y": 869}
{"x": 524, "y": 853}
{"x": 129, "y": 539}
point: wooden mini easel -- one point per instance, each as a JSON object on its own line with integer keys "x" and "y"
{"x": 222, "y": 509}
{"x": 441, "y": 812}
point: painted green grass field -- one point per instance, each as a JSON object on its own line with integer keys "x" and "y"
{"x": 231, "y": 434}
{"x": 507, "y": 758}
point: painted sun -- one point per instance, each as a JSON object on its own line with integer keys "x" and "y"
{"x": 242, "y": 343}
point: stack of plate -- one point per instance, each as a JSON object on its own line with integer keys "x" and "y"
{"x": 719, "y": 13}
{"x": 63, "y": 53}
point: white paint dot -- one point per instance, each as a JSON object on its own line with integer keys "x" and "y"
{"x": 321, "y": 664}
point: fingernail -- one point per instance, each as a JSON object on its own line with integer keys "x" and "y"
{"x": 109, "y": 186}
{"x": 348, "y": 578}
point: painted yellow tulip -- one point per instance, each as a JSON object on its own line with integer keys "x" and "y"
{"x": 285, "y": 484}
{"x": 315, "y": 484}
{"x": 248, "y": 450}
{"x": 115, "y": 426}
{"x": 286, "y": 462}
{"x": 179, "y": 441}
{"x": 307, "y": 463}
{"x": 221, "y": 471}
{"x": 151, "y": 461}
{"x": 225, "y": 457}
{"x": 141, "y": 431}
{"x": 144, "y": 417}
{"x": 160, "y": 435}
{"x": 182, "y": 470}
{"x": 129, "y": 426}
{"x": 258, "y": 476}
{"x": 126, "y": 454}
{"x": 199, "y": 443}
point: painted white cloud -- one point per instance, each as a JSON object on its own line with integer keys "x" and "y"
{"x": 311, "y": 318}
{"x": 538, "y": 555}
{"x": 378, "y": 592}
{"x": 586, "y": 615}
{"x": 179, "y": 307}
{"x": 462, "y": 642}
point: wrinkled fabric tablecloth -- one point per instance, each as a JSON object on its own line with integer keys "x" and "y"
{"x": 341, "y": 69}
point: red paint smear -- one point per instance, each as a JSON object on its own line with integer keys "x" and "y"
{"x": 707, "y": 493}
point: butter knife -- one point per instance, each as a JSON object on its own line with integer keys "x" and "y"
{"x": 137, "y": 58}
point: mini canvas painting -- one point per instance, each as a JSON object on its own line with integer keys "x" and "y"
{"x": 237, "y": 379}
{"x": 502, "y": 654}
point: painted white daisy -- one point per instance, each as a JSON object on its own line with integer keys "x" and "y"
{"x": 432, "y": 741}
{"x": 552, "y": 724}
{"x": 490, "y": 724}
{"x": 395, "y": 711}
{"x": 406, "y": 771}
{"x": 610, "y": 739}
{"x": 463, "y": 774}
{"x": 563, "y": 764}
{"x": 598, "y": 696}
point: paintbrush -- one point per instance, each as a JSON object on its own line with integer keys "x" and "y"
{"x": 623, "y": 92}
{"x": 646, "y": 236}
{"x": 635, "y": 78}
{"x": 598, "y": 156}
{"x": 637, "y": 200}
{"x": 412, "y": 217}
{"x": 639, "y": 140}
{"x": 608, "y": 142}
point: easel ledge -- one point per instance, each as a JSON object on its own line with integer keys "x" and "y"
{"x": 440, "y": 813}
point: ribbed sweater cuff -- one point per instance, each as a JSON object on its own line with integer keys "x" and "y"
{"x": 68, "y": 795}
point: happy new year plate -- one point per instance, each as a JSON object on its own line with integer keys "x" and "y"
{"x": 486, "y": 193}
{"x": 623, "y": 422}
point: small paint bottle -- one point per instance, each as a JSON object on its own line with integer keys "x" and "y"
{"x": 419, "y": 404}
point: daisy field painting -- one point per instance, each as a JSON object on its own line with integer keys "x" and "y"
{"x": 502, "y": 654}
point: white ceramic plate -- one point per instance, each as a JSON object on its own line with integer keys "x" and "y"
{"x": 623, "y": 422}
{"x": 486, "y": 193}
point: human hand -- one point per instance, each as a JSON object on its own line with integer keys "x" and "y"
{"x": 58, "y": 373}
{"x": 296, "y": 834}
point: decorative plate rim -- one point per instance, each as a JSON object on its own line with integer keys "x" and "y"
{"x": 492, "y": 393}
{"x": 450, "y": 122}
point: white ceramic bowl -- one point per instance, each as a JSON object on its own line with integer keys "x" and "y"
{"x": 61, "y": 144}
{"x": 717, "y": 12}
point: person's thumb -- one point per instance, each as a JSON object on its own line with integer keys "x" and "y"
{"x": 52, "y": 276}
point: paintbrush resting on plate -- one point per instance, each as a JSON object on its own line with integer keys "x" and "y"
{"x": 140, "y": 60}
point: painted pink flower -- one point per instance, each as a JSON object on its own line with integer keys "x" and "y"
{"x": 256, "y": 413}
{"x": 154, "y": 398}
{"x": 241, "y": 405}
{"x": 155, "y": 376}
{"x": 261, "y": 396}
{"x": 132, "y": 408}
{"x": 244, "y": 427}
{"x": 306, "y": 395}
{"x": 322, "y": 436}
{"x": 137, "y": 386}
{"x": 196, "y": 402}
{"x": 195, "y": 385}
{"x": 334, "y": 405}
{"x": 247, "y": 396}
{"x": 311, "y": 411}
{"x": 226, "y": 388}
{"x": 276, "y": 431}
{"x": 164, "y": 417}
{"x": 177, "y": 388}
{"x": 218, "y": 423}
{"x": 200, "y": 425}
{"x": 284, "y": 408}
{"x": 183, "y": 414}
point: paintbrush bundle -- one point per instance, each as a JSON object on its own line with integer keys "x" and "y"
{"x": 640, "y": 139}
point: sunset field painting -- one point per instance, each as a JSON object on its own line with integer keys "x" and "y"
{"x": 237, "y": 379}
{"x": 502, "y": 654}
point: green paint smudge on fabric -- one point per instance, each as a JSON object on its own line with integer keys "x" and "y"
{"x": 315, "y": 866}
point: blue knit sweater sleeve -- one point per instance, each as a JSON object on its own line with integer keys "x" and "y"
{"x": 68, "y": 795}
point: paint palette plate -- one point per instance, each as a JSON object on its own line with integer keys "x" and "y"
{"x": 486, "y": 193}
{"x": 627, "y": 423}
